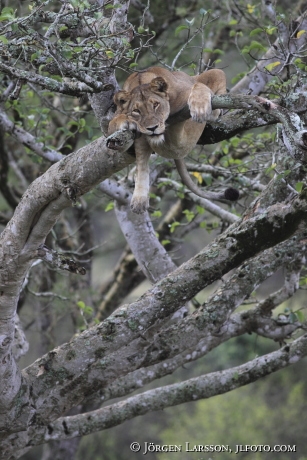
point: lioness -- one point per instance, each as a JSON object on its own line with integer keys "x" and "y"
{"x": 144, "y": 105}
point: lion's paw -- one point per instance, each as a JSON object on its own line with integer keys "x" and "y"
{"x": 139, "y": 204}
{"x": 121, "y": 123}
{"x": 199, "y": 112}
{"x": 200, "y": 103}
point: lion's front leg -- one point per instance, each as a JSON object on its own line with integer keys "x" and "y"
{"x": 140, "y": 200}
{"x": 199, "y": 102}
{"x": 121, "y": 122}
{"x": 206, "y": 84}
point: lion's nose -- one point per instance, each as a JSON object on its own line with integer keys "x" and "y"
{"x": 153, "y": 128}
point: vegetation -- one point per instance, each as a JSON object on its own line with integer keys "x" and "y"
{"x": 105, "y": 314}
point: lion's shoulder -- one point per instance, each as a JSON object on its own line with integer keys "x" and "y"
{"x": 174, "y": 79}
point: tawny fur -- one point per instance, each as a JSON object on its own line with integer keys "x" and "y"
{"x": 148, "y": 98}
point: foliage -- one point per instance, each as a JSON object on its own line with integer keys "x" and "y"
{"x": 64, "y": 213}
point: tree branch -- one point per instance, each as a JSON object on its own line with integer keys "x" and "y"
{"x": 213, "y": 208}
{"x": 26, "y": 139}
{"x": 190, "y": 390}
{"x": 294, "y": 134}
{"x": 226, "y": 252}
{"x": 75, "y": 88}
{"x": 282, "y": 51}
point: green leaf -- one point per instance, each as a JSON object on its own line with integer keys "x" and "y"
{"x": 152, "y": 195}
{"x": 173, "y": 226}
{"x": 7, "y": 10}
{"x": 88, "y": 310}
{"x": 156, "y": 214}
{"x": 3, "y": 39}
{"x": 200, "y": 209}
{"x": 34, "y": 56}
{"x": 299, "y": 186}
{"x": 218, "y": 51}
{"x": 109, "y": 53}
{"x": 300, "y": 316}
{"x": 270, "y": 30}
{"x": 254, "y": 46}
{"x": 270, "y": 168}
{"x": 179, "y": 29}
{"x": 257, "y": 46}
{"x": 250, "y": 8}
{"x": 189, "y": 215}
{"x": 109, "y": 206}
{"x": 271, "y": 66}
{"x": 255, "y": 31}
{"x": 238, "y": 77}
{"x": 235, "y": 141}
{"x": 7, "y": 14}
{"x": 130, "y": 54}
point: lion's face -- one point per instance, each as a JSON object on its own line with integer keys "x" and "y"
{"x": 146, "y": 106}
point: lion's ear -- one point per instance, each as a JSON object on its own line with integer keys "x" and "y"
{"x": 121, "y": 98}
{"x": 158, "y": 85}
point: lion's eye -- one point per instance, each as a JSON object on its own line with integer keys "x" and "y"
{"x": 156, "y": 104}
{"x": 136, "y": 112}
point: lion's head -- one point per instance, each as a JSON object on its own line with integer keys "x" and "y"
{"x": 147, "y": 106}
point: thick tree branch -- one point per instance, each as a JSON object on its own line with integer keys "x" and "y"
{"x": 27, "y": 230}
{"x": 196, "y": 333}
{"x": 294, "y": 133}
{"x": 150, "y": 254}
{"x": 190, "y": 390}
{"x": 225, "y": 253}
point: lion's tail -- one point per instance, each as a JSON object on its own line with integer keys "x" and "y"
{"x": 230, "y": 194}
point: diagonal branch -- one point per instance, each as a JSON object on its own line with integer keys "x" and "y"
{"x": 193, "y": 389}
{"x": 294, "y": 133}
{"x": 74, "y": 88}
{"x": 226, "y": 252}
{"x": 25, "y": 138}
